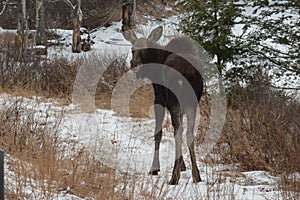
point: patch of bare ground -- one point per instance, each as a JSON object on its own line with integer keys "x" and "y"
{"x": 141, "y": 102}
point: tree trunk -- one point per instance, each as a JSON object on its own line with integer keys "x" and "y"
{"x": 76, "y": 45}
{"x": 40, "y": 38}
{"x": 128, "y": 7}
{"x": 24, "y": 27}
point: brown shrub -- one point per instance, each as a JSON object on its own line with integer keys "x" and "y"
{"x": 10, "y": 46}
{"x": 262, "y": 130}
{"x": 49, "y": 78}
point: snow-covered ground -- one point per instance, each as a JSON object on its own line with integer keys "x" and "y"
{"x": 131, "y": 143}
{"x": 126, "y": 145}
{"x": 110, "y": 40}
{"x": 130, "y": 140}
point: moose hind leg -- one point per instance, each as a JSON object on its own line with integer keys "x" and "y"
{"x": 159, "y": 111}
{"x": 177, "y": 124}
{"x": 191, "y": 116}
{"x": 182, "y": 166}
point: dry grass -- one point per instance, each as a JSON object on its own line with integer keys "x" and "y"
{"x": 10, "y": 45}
{"x": 290, "y": 186}
{"x": 261, "y": 131}
{"x": 33, "y": 74}
{"x": 141, "y": 102}
{"x": 47, "y": 164}
{"x": 38, "y": 76}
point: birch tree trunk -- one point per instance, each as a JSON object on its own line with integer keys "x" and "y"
{"x": 76, "y": 44}
{"x": 40, "y": 38}
{"x": 24, "y": 29}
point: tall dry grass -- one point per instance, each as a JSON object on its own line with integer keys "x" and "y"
{"x": 43, "y": 163}
{"x": 261, "y": 132}
{"x": 55, "y": 77}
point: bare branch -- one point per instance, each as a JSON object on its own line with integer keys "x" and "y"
{"x": 285, "y": 88}
{"x": 70, "y": 4}
{"x": 5, "y": 4}
{"x": 274, "y": 61}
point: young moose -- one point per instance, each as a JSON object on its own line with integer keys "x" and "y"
{"x": 159, "y": 63}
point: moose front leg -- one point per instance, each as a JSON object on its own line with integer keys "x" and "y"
{"x": 159, "y": 111}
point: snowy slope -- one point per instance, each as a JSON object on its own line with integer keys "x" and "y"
{"x": 126, "y": 144}
{"x": 130, "y": 141}
{"x": 110, "y": 40}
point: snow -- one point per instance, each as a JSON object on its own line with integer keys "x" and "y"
{"x": 130, "y": 140}
{"x": 129, "y": 144}
{"x": 110, "y": 40}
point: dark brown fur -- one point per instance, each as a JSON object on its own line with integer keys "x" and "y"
{"x": 178, "y": 55}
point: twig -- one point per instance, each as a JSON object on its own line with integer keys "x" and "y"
{"x": 285, "y": 88}
{"x": 68, "y": 2}
{"x": 5, "y": 4}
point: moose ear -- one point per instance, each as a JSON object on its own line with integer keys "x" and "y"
{"x": 156, "y": 34}
{"x": 129, "y": 35}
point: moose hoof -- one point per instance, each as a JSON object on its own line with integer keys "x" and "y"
{"x": 173, "y": 182}
{"x": 197, "y": 179}
{"x": 154, "y": 172}
{"x": 183, "y": 168}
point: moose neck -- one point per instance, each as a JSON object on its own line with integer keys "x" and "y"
{"x": 155, "y": 55}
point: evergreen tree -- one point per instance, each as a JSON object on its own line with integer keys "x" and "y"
{"x": 210, "y": 23}
{"x": 270, "y": 42}
{"x": 254, "y": 37}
